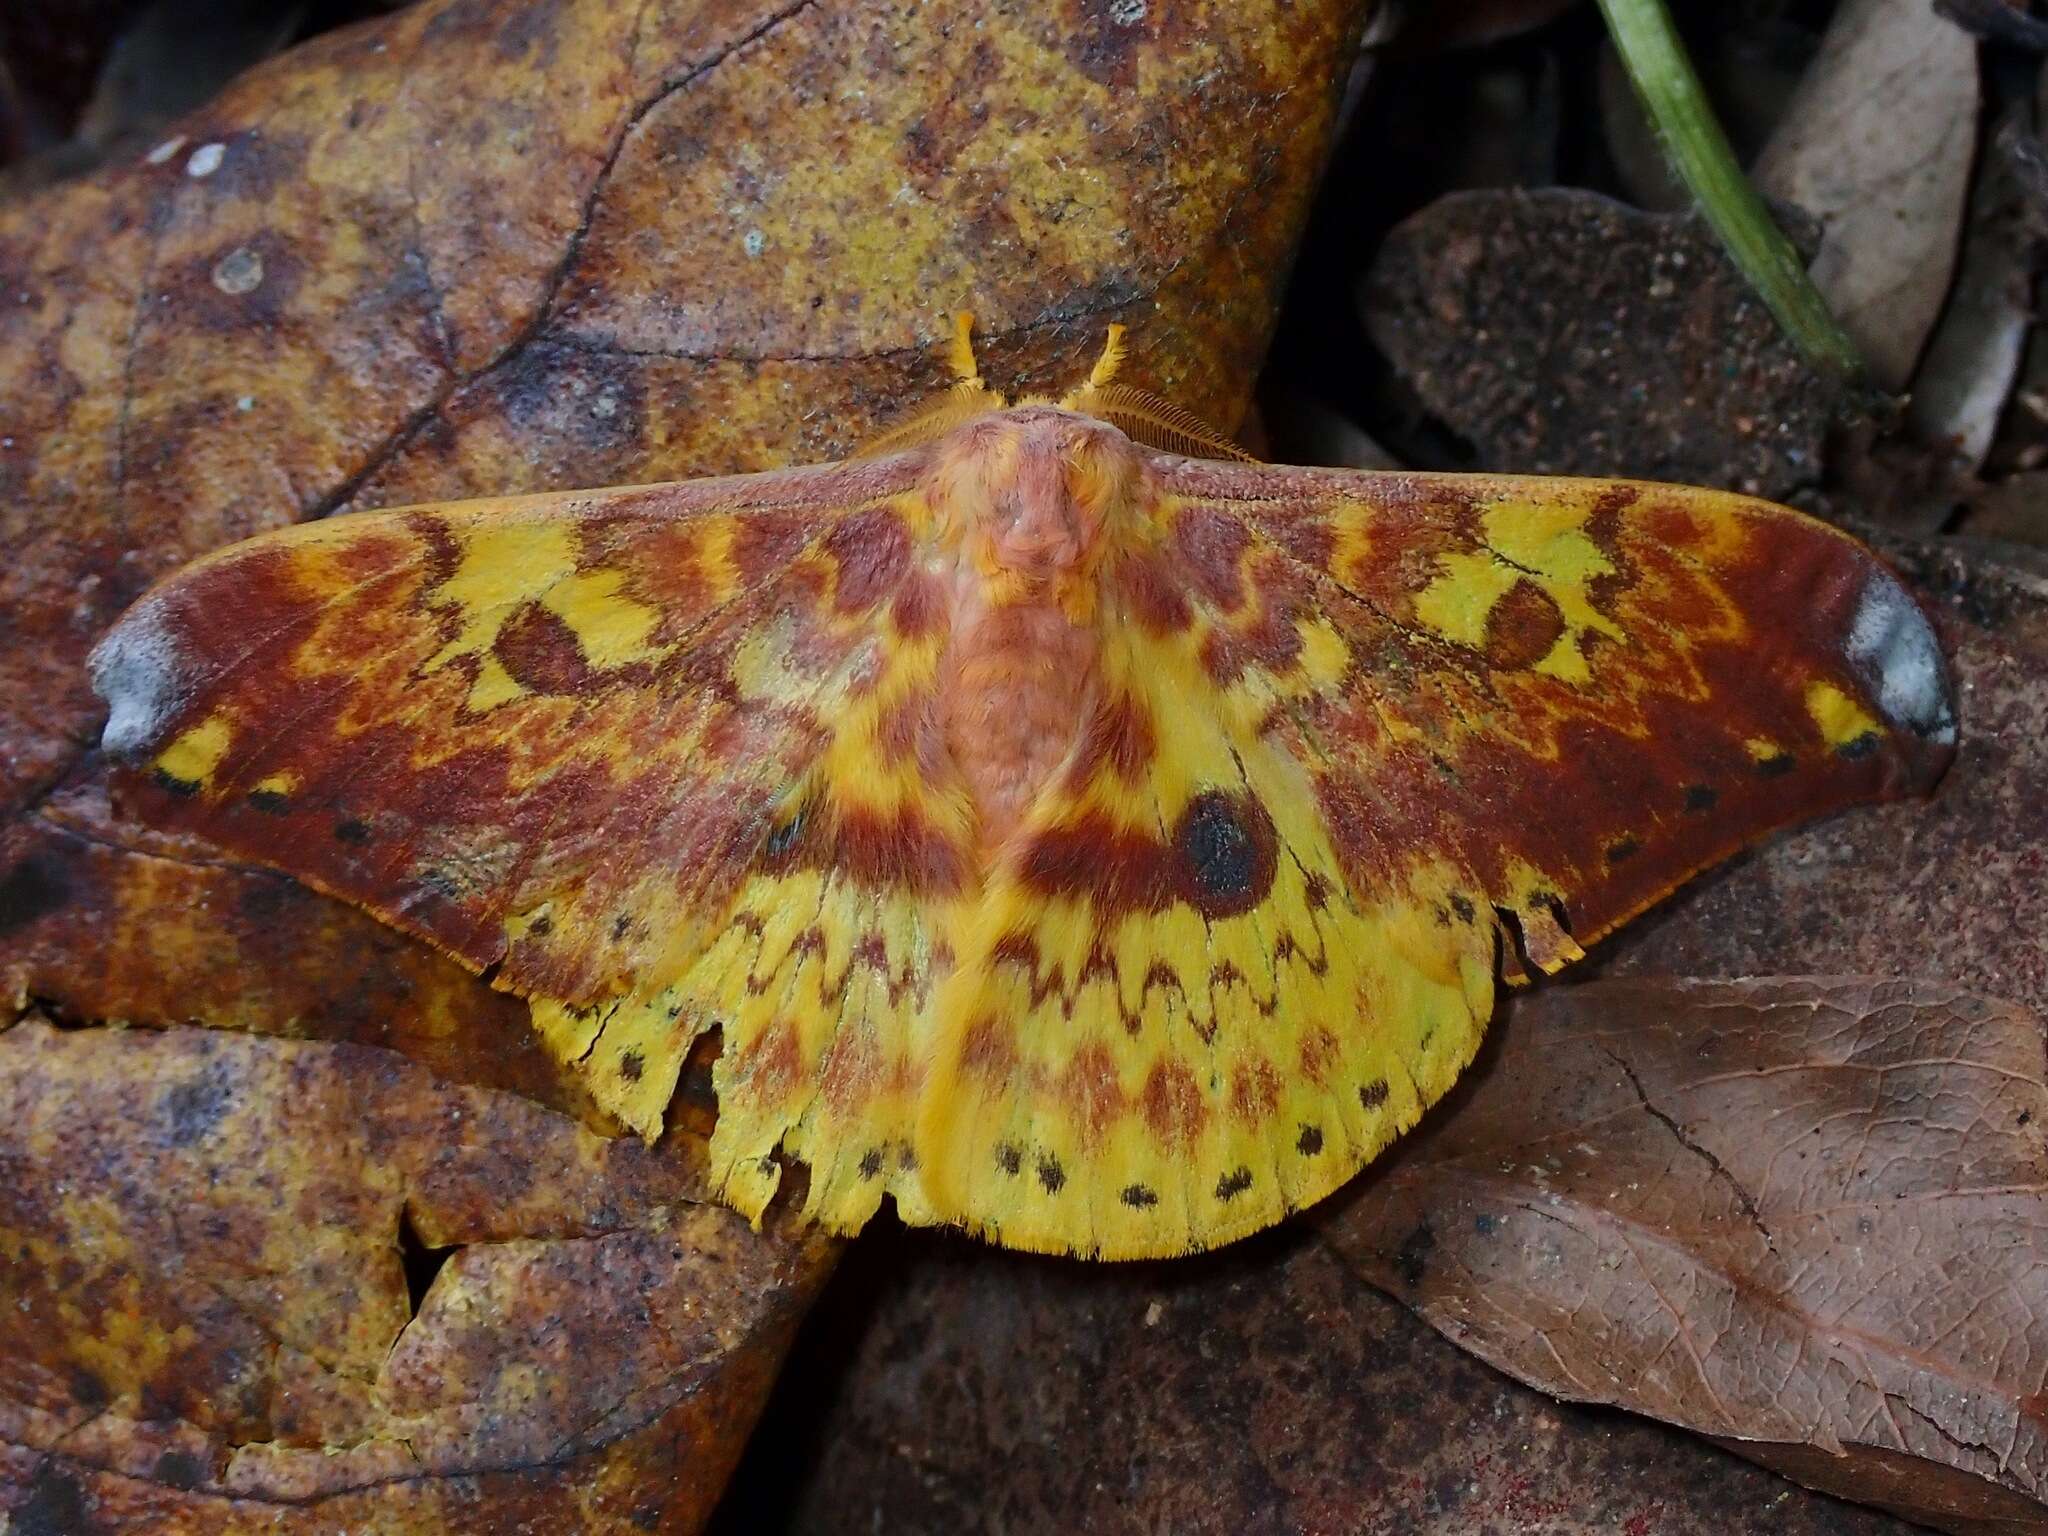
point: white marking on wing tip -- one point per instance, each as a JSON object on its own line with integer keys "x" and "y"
{"x": 1893, "y": 646}
{"x": 137, "y": 669}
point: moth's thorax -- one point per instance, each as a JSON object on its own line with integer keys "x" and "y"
{"x": 1029, "y": 496}
{"x": 1027, "y": 500}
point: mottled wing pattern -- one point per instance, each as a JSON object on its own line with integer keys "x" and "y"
{"x": 1361, "y": 734}
{"x": 1578, "y": 692}
{"x": 581, "y": 743}
{"x": 673, "y": 758}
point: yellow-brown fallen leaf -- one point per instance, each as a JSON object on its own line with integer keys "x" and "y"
{"x": 500, "y": 248}
{"x": 105, "y": 921}
{"x": 1806, "y": 1217}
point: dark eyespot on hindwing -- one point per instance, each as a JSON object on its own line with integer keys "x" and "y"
{"x": 1227, "y": 852}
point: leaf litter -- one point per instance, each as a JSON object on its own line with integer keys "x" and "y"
{"x": 1223, "y": 1435}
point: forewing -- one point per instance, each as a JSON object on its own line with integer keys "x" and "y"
{"x": 1579, "y": 692}
{"x": 587, "y": 743}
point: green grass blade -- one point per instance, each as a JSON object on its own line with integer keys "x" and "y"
{"x": 1656, "y": 61}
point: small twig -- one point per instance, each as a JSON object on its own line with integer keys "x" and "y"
{"x": 1693, "y": 141}
{"x": 1995, "y": 20}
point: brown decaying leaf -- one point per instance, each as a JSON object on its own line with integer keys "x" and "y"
{"x": 1269, "y": 1389}
{"x": 1799, "y": 1213}
{"x": 488, "y": 248}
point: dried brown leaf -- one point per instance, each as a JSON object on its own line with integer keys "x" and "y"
{"x": 1877, "y": 146}
{"x": 1802, "y": 1214}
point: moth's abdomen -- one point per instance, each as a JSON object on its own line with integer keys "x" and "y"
{"x": 1020, "y": 680}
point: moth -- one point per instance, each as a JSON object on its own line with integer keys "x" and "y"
{"x": 1077, "y": 832}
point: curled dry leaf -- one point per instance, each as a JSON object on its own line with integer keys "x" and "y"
{"x": 1808, "y": 1214}
{"x": 1877, "y": 146}
{"x": 478, "y": 248}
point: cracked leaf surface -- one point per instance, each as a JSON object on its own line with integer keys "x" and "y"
{"x": 1803, "y": 1214}
{"x": 209, "y": 1326}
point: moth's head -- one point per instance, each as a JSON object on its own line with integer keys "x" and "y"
{"x": 1139, "y": 417}
{"x": 1024, "y": 493}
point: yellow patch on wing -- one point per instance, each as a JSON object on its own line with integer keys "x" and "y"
{"x": 193, "y": 756}
{"x": 1842, "y": 721}
{"x": 1525, "y": 540}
